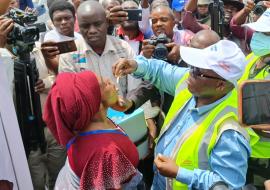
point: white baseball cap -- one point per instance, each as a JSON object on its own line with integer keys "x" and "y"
{"x": 262, "y": 24}
{"x": 224, "y": 58}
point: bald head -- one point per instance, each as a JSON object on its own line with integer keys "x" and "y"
{"x": 157, "y": 3}
{"x": 204, "y": 38}
{"x": 90, "y": 8}
{"x": 130, "y": 5}
{"x": 93, "y": 24}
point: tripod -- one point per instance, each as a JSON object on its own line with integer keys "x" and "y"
{"x": 27, "y": 101}
{"x": 217, "y": 17}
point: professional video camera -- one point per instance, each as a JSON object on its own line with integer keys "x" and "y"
{"x": 161, "y": 51}
{"x": 22, "y": 40}
{"x": 24, "y": 30}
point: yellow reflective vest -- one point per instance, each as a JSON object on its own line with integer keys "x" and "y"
{"x": 193, "y": 149}
{"x": 252, "y": 59}
{"x": 260, "y": 146}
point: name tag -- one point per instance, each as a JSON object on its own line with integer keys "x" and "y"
{"x": 79, "y": 58}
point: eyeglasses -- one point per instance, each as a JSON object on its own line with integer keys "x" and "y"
{"x": 196, "y": 72}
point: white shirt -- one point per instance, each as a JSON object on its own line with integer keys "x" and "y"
{"x": 54, "y": 35}
{"x": 45, "y": 75}
{"x": 13, "y": 163}
{"x": 86, "y": 59}
{"x": 8, "y": 64}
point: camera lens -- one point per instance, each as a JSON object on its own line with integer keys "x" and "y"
{"x": 160, "y": 52}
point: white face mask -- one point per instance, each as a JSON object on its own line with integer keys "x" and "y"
{"x": 260, "y": 44}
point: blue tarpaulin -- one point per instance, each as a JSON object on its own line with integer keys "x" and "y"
{"x": 178, "y": 5}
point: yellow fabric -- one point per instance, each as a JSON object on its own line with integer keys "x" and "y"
{"x": 259, "y": 148}
{"x": 252, "y": 59}
{"x": 187, "y": 156}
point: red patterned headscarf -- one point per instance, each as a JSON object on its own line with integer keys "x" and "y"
{"x": 71, "y": 104}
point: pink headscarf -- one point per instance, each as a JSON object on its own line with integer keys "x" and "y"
{"x": 71, "y": 104}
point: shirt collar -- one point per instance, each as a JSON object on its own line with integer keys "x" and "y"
{"x": 109, "y": 47}
{"x": 203, "y": 109}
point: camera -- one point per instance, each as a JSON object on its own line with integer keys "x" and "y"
{"x": 259, "y": 8}
{"x": 24, "y": 31}
{"x": 161, "y": 51}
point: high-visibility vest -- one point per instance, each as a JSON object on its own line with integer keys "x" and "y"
{"x": 260, "y": 146}
{"x": 192, "y": 150}
{"x": 252, "y": 59}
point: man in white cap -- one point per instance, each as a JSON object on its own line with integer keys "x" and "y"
{"x": 200, "y": 142}
{"x": 259, "y": 68}
{"x": 260, "y": 46}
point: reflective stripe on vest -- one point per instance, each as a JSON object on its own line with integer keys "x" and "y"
{"x": 252, "y": 59}
{"x": 260, "y": 146}
{"x": 181, "y": 95}
{"x": 194, "y": 147}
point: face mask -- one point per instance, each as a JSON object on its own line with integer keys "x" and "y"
{"x": 260, "y": 44}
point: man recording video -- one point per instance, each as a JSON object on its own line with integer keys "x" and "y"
{"x": 30, "y": 77}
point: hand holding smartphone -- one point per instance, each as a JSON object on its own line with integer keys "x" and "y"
{"x": 66, "y": 46}
{"x": 134, "y": 14}
{"x": 51, "y": 49}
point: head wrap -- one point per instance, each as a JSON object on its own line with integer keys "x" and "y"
{"x": 71, "y": 104}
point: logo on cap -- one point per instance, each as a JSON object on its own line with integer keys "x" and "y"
{"x": 224, "y": 66}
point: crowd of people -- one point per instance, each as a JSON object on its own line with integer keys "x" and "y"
{"x": 171, "y": 64}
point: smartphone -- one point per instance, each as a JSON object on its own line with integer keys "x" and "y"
{"x": 254, "y": 104}
{"x": 66, "y": 46}
{"x": 134, "y": 14}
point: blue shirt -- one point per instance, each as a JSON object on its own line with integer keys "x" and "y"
{"x": 26, "y": 3}
{"x": 228, "y": 159}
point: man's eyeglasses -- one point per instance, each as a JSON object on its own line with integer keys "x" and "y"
{"x": 196, "y": 72}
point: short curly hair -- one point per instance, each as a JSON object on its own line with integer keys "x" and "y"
{"x": 61, "y": 5}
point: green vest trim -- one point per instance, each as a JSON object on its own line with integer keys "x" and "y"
{"x": 252, "y": 59}
{"x": 260, "y": 147}
{"x": 193, "y": 149}
{"x": 181, "y": 94}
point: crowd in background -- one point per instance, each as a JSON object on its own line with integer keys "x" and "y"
{"x": 119, "y": 64}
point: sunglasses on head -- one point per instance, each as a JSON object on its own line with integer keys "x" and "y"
{"x": 196, "y": 72}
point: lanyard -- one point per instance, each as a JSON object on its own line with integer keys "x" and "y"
{"x": 110, "y": 131}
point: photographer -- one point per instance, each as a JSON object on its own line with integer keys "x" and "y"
{"x": 242, "y": 16}
{"x": 12, "y": 153}
{"x": 162, "y": 46}
{"x": 230, "y": 8}
{"x": 163, "y": 22}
